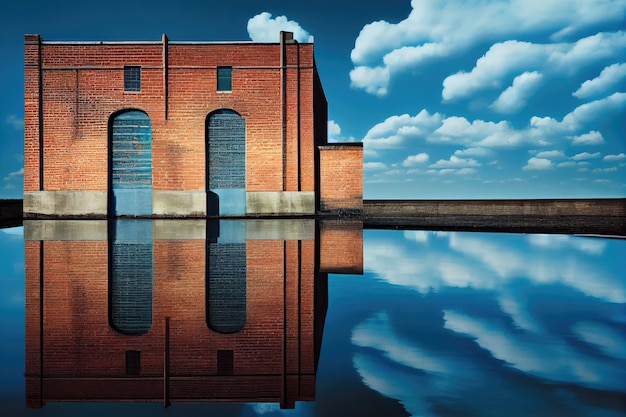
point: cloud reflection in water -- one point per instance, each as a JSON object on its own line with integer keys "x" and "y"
{"x": 551, "y": 313}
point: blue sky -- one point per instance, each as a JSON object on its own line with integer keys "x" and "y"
{"x": 454, "y": 99}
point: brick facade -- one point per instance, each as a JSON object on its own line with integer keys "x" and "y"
{"x": 73, "y": 90}
{"x": 73, "y": 352}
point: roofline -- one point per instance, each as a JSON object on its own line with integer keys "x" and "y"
{"x": 161, "y": 43}
{"x": 163, "y": 40}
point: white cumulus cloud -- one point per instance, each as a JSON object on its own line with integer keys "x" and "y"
{"x": 264, "y": 28}
{"x": 585, "y": 155}
{"x": 455, "y": 162}
{"x": 436, "y": 29}
{"x": 505, "y": 59}
{"x": 550, "y": 154}
{"x": 608, "y": 78}
{"x": 333, "y": 128}
{"x": 412, "y": 160}
{"x": 481, "y": 137}
{"x": 397, "y": 130}
{"x": 617, "y": 157}
{"x": 535, "y": 163}
{"x": 334, "y": 133}
{"x": 373, "y": 80}
{"x": 373, "y": 166}
{"x": 590, "y": 138}
{"x": 491, "y": 70}
{"x": 516, "y": 96}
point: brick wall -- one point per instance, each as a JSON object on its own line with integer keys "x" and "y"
{"x": 341, "y": 177}
{"x": 73, "y": 89}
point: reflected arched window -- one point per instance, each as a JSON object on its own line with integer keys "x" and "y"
{"x": 226, "y": 163}
{"x": 226, "y": 287}
{"x": 131, "y": 164}
{"x": 131, "y": 270}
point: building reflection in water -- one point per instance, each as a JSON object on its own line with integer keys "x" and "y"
{"x": 180, "y": 310}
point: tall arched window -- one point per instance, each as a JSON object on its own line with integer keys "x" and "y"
{"x": 226, "y": 287}
{"x": 226, "y": 163}
{"x": 131, "y": 164}
{"x": 131, "y": 275}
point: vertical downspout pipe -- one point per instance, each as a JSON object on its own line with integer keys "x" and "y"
{"x": 283, "y": 103}
{"x": 298, "y": 122}
{"x": 40, "y": 116}
{"x": 285, "y": 38}
{"x": 165, "y": 41}
{"x": 166, "y": 365}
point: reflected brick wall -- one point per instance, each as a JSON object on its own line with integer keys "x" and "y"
{"x": 73, "y": 353}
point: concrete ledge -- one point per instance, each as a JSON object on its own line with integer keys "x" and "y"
{"x": 572, "y": 216}
{"x": 280, "y": 202}
{"x": 179, "y": 203}
{"x": 539, "y": 207}
{"x": 179, "y": 229}
{"x": 65, "y": 230}
{"x": 65, "y": 203}
{"x": 222, "y": 231}
{"x": 280, "y": 229}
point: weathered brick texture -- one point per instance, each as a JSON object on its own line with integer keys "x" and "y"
{"x": 341, "y": 185}
{"x": 83, "y": 356}
{"x": 72, "y": 90}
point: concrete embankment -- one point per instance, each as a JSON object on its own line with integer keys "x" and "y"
{"x": 605, "y": 217}
{"x": 11, "y": 212}
{"x": 572, "y": 216}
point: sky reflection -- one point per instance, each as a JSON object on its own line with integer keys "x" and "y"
{"x": 533, "y": 323}
{"x": 440, "y": 324}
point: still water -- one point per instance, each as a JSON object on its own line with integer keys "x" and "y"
{"x": 269, "y": 318}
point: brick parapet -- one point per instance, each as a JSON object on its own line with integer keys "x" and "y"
{"x": 341, "y": 177}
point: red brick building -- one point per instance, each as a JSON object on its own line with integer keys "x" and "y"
{"x": 191, "y": 310}
{"x": 180, "y": 129}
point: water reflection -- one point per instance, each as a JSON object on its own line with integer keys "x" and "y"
{"x": 532, "y": 323}
{"x": 420, "y": 323}
{"x": 183, "y": 310}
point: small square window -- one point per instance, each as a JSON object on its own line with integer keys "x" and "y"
{"x": 224, "y": 78}
{"x": 133, "y": 362}
{"x": 132, "y": 78}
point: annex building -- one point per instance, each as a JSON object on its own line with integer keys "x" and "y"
{"x": 174, "y": 129}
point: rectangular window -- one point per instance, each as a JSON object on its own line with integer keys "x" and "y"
{"x": 225, "y": 362}
{"x": 132, "y": 78}
{"x": 224, "y": 78}
{"x": 133, "y": 362}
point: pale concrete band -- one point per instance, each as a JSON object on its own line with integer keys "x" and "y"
{"x": 164, "y": 203}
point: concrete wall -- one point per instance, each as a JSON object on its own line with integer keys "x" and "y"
{"x": 547, "y": 207}
{"x": 277, "y": 202}
{"x": 573, "y": 216}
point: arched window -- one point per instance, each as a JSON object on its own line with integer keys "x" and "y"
{"x": 131, "y": 164}
{"x": 226, "y": 163}
{"x": 226, "y": 287}
{"x": 131, "y": 275}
